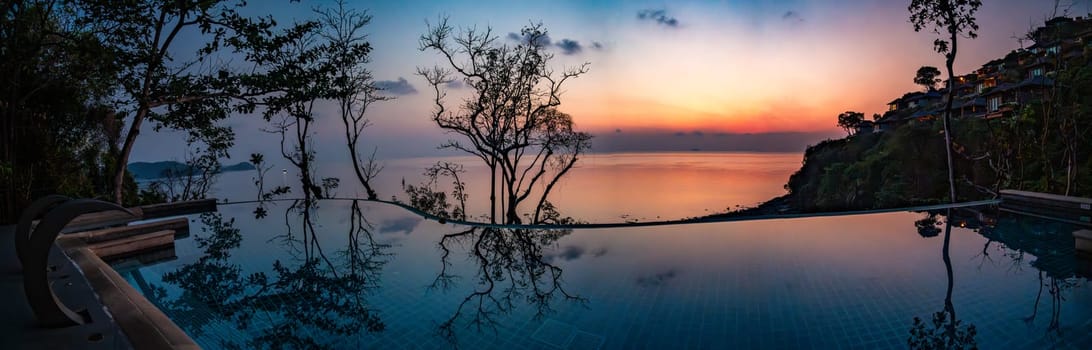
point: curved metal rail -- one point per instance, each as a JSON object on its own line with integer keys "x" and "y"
{"x": 34, "y": 255}
{"x": 33, "y": 212}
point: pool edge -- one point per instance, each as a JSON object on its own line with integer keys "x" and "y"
{"x": 143, "y": 324}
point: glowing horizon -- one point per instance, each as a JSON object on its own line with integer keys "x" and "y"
{"x": 753, "y": 68}
{"x": 730, "y": 67}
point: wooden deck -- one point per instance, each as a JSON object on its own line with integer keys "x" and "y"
{"x": 121, "y": 316}
{"x": 1083, "y": 243}
{"x": 1075, "y": 210}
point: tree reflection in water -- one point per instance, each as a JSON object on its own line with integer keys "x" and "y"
{"x": 1055, "y": 287}
{"x": 509, "y": 267}
{"x": 1052, "y": 246}
{"x": 1016, "y": 238}
{"x": 944, "y": 330}
{"x": 303, "y": 302}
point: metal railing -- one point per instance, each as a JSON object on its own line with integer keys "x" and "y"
{"x": 33, "y": 244}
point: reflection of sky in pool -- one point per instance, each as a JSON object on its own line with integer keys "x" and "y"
{"x": 821, "y": 282}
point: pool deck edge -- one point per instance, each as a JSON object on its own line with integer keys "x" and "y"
{"x": 144, "y": 324}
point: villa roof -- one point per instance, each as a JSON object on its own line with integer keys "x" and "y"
{"x": 995, "y": 62}
{"x": 919, "y": 96}
{"x": 925, "y": 113}
{"x": 1000, "y": 89}
{"x": 978, "y": 101}
{"x": 1058, "y": 20}
{"x": 895, "y": 116}
{"x": 1045, "y": 44}
{"x": 1034, "y": 81}
{"x": 906, "y": 97}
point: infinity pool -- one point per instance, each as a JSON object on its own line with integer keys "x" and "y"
{"x": 356, "y": 274}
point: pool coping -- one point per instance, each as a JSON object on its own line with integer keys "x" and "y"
{"x": 144, "y": 324}
{"x": 709, "y": 219}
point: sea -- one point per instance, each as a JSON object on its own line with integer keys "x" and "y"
{"x": 602, "y": 187}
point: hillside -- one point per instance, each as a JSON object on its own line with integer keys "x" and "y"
{"x": 1022, "y": 121}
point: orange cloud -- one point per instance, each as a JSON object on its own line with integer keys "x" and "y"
{"x": 627, "y": 113}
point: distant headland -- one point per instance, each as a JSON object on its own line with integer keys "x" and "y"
{"x": 155, "y": 170}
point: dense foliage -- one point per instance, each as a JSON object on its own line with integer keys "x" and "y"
{"x": 512, "y": 122}
{"x": 870, "y": 170}
{"x": 57, "y": 130}
{"x": 81, "y": 77}
{"x": 1041, "y": 147}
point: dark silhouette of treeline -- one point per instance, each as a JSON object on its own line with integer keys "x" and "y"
{"x": 82, "y": 77}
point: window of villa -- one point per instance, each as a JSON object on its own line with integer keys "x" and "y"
{"x": 993, "y": 103}
{"x": 1036, "y": 72}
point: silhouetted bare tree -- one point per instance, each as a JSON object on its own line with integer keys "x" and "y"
{"x": 353, "y": 86}
{"x": 192, "y": 181}
{"x": 294, "y": 110}
{"x": 952, "y": 18}
{"x": 511, "y": 121}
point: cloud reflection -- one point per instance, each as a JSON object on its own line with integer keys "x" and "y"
{"x": 657, "y": 280}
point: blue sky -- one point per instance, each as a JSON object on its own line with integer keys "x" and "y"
{"x": 660, "y": 68}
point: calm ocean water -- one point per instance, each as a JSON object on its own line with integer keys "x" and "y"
{"x": 601, "y": 188}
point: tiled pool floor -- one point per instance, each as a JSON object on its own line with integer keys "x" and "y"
{"x": 829, "y": 282}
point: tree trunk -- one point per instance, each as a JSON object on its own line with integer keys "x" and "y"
{"x": 352, "y": 136}
{"x": 123, "y": 158}
{"x": 1071, "y": 168}
{"x": 359, "y": 172}
{"x": 949, "y": 61}
{"x": 493, "y": 192}
{"x": 8, "y": 140}
{"x": 512, "y": 214}
{"x": 946, "y": 255}
{"x": 310, "y": 189}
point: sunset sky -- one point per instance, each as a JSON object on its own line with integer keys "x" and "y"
{"x": 668, "y": 71}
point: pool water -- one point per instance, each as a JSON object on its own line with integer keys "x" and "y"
{"x": 357, "y": 274}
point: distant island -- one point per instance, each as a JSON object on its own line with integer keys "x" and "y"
{"x": 155, "y": 170}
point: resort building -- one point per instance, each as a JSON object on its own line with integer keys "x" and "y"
{"x": 1001, "y": 87}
